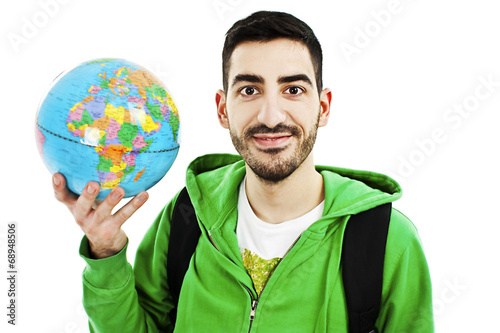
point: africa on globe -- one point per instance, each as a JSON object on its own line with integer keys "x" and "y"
{"x": 110, "y": 121}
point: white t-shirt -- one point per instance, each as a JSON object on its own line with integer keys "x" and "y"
{"x": 263, "y": 245}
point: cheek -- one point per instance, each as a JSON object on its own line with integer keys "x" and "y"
{"x": 240, "y": 116}
{"x": 305, "y": 115}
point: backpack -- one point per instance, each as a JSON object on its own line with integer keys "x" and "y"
{"x": 362, "y": 259}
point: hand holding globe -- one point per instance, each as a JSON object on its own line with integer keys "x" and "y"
{"x": 111, "y": 128}
{"x": 102, "y": 228}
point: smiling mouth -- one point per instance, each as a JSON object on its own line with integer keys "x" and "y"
{"x": 271, "y": 138}
{"x": 272, "y": 141}
{"x": 268, "y": 139}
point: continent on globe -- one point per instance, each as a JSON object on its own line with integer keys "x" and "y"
{"x": 120, "y": 127}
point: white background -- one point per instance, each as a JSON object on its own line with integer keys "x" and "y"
{"x": 406, "y": 70}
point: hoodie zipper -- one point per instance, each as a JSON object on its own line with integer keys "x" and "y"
{"x": 253, "y": 306}
{"x": 255, "y": 301}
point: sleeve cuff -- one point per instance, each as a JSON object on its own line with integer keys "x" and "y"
{"x": 108, "y": 273}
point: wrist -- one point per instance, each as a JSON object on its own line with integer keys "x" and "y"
{"x": 101, "y": 252}
{"x": 100, "y": 249}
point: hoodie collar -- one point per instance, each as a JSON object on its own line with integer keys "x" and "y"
{"x": 213, "y": 180}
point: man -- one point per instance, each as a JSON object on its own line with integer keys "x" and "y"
{"x": 272, "y": 223}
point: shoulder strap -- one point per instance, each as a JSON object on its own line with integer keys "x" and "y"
{"x": 363, "y": 252}
{"x": 184, "y": 235}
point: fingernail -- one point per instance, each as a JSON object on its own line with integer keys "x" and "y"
{"x": 142, "y": 197}
{"x": 90, "y": 189}
{"x": 116, "y": 195}
{"x": 56, "y": 181}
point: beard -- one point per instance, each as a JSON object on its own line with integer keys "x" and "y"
{"x": 271, "y": 167}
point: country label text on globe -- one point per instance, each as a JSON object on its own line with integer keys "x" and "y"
{"x": 111, "y": 121}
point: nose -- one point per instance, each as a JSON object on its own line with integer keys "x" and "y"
{"x": 271, "y": 113}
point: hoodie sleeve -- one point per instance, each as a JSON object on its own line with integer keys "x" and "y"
{"x": 119, "y": 298}
{"x": 407, "y": 293}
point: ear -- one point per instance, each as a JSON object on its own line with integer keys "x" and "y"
{"x": 325, "y": 103}
{"x": 220, "y": 101}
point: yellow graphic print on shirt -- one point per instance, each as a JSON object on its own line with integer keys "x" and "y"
{"x": 259, "y": 269}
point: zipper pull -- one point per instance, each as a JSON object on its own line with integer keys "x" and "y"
{"x": 253, "y": 309}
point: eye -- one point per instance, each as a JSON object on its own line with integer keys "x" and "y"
{"x": 294, "y": 90}
{"x": 248, "y": 91}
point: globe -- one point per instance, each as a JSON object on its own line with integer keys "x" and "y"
{"x": 110, "y": 121}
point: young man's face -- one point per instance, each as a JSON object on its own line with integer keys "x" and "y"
{"x": 271, "y": 107}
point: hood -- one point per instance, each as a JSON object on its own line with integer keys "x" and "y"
{"x": 212, "y": 182}
{"x": 349, "y": 192}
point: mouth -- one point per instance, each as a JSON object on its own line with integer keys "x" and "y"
{"x": 272, "y": 140}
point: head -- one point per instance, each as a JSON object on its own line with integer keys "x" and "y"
{"x": 271, "y": 102}
{"x": 265, "y": 26}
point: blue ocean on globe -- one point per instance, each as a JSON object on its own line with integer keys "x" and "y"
{"x": 110, "y": 121}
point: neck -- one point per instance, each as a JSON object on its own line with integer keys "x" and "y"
{"x": 288, "y": 199}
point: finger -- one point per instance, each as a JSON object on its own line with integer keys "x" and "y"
{"x": 61, "y": 192}
{"x": 85, "y": 202}
{"x": 104, "y": 209}
{"x": 124, "y": 213}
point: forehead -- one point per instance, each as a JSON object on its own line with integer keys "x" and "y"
{"x": 271, "y": 59}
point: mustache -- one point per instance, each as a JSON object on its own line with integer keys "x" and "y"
{"x": 263, "y": 129}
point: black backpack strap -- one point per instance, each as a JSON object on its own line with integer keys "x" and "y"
{"x": 184, "y": 235}
{"x": 363, "y": 252}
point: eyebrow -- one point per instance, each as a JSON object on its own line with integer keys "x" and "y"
{"x": 248, "y": 78}
{"x": 293, "y": 78}
{"x": 282, "y": 79}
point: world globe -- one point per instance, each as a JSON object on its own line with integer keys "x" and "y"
{"x": 110, "y": 121}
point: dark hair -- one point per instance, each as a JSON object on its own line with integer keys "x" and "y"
{"x": 265, "y": 26}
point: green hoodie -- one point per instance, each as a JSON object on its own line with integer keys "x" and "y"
{"x": 305, "y": 292}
